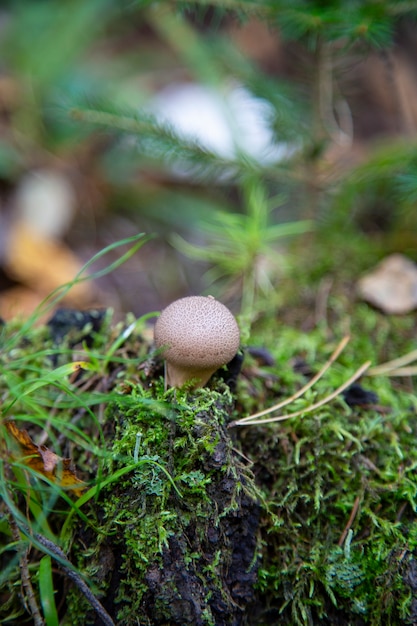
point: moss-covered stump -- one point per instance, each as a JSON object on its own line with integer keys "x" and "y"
{"x": 175, "y": 539}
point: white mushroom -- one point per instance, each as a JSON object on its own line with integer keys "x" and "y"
{"x": 199, "y": 335}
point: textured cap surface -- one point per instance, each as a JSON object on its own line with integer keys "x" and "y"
{"x": 198, "y": 332}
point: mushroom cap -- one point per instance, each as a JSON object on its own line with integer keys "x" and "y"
{"x": 198, "y": 332}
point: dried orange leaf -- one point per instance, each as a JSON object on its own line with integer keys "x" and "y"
{"x": 44, "y": 264}
{"x": 45, "y": 462}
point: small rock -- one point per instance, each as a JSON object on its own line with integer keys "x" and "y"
{"x": 391, "y": 286}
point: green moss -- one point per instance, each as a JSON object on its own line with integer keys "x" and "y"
{"x": 168, "y": 505}
{"x": 340, "y": 485}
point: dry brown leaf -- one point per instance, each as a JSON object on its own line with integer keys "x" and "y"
{"x": 45, "y": 462}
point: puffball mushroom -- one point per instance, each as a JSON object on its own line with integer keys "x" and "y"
{"x": 199, "y": 335}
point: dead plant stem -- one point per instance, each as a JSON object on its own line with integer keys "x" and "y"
{"x": 350, "y": 521}
{"x": 24, "y": 573}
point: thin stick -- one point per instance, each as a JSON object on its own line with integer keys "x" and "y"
{"x": 313, "y": 407}
{"x": 394, "y": 364}
{"x": 301, "y": 391}
{"x": 76, "y": 578}
{"x": 350, "y": 521}
{"x": 24, "y": 574}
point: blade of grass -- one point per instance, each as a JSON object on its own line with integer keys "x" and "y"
{"x": 55, "y": 296}
{"x": 124, "y": 335}
{"x": 49, "y": 378}
{"x": 46, "y": 591}
{"x": 33, "y": 501}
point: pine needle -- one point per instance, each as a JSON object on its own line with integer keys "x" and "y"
{"x": 301, "y": 391}
{"x": 313, "y": 407}
{"x": 389, "y": 367}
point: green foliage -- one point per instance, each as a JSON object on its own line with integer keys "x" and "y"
{"x": 240, "y": 249}
{"x": 43, "y": 63}
{"x": 44, "y": 399}
{"x": 46, "y": 591}
{"x": 311, "y": 20}
{"x": 238, "y": 244}
{"x": 382, "y": 188}
{"x": 304, "y": 112}
{"x": 156, "y": 141}
{"x": 367, "y": 21}
{"x": 31, "y": 43}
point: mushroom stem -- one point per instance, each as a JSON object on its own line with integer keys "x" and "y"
{"x": 176, "y": 376}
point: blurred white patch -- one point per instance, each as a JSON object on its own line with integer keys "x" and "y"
{"x": 224, "y": 122}
{"x": 45, "y": 200}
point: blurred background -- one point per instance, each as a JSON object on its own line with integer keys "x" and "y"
{"x": 253, "y": 141}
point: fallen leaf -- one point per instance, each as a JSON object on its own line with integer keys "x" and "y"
{"x": 45, "y": 462}
{"x": 43, "y": 264}
{"x": 19, "y": 301}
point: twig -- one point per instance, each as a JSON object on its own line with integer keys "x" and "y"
{"x": 349, "y": 522}
{"x": 401, "y": 511}
{"x": 76, "y": 578}
{"x": 24, "y": 574}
